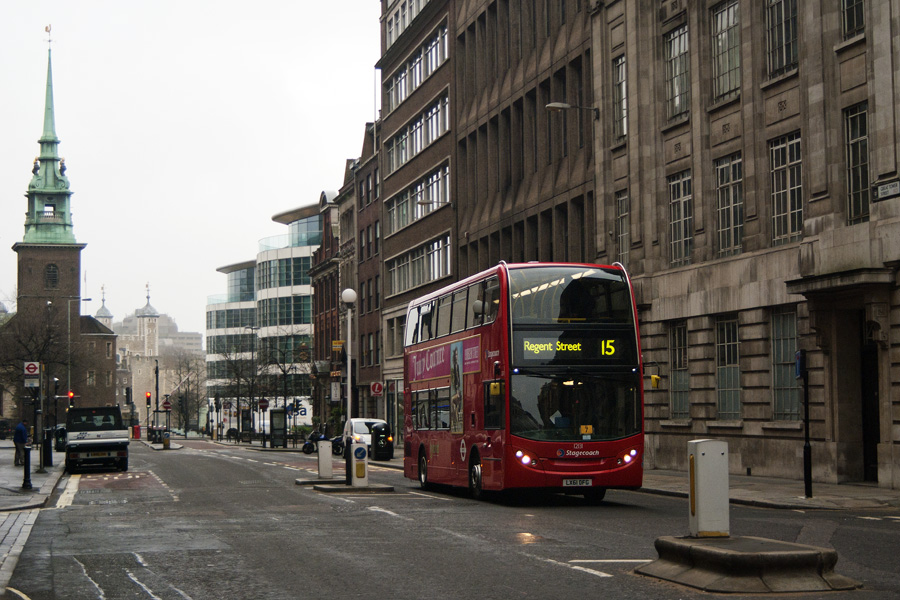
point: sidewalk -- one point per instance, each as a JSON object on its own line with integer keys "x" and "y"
{"x": 12, "y": 496}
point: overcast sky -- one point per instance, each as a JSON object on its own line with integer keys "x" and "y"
{"x": 185, "y": 125}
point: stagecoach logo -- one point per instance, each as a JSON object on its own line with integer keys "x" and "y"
{"x": 563, "y": 453}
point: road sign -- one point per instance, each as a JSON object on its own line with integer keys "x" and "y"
{"x": 32, "y": 374}
{"x": 167, "y": 405}
{"x": 263, "y": 404}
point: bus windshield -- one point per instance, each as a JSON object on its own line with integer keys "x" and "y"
{"x": 569, "y": 294}
{"x": 571, "y": 406}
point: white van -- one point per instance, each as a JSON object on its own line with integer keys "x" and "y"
{"x": 359, "y": 431}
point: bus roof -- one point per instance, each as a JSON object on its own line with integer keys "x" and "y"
{"x": 501, "y": 266}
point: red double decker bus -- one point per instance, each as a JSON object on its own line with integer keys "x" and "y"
{"x": 526, "y": 376}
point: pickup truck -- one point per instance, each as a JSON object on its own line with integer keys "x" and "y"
{"x": 96, "y": 436}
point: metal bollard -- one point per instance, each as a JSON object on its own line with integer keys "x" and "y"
{"x": 26, "y": 460}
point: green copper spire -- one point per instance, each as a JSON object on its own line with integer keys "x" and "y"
{"x": 49, "y": 218}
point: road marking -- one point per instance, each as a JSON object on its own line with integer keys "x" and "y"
{"x": 613, "y": 560}
{"x": 429, "y": 496}
{"x": 387, "y": 512}
{"x": 568, "y": 566}
{"x": 84, "y": 572}
{"x": 17, "y": 593}
{"x": 68, "y": 495}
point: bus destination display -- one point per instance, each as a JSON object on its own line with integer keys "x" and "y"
{"x": 573, "y": 348}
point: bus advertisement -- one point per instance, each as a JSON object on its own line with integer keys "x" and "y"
{"x": 526, "y": 376}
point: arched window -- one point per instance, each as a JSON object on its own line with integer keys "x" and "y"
{"x": 51, "y": 277}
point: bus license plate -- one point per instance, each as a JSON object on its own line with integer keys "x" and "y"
{"x": 577, "y": 482}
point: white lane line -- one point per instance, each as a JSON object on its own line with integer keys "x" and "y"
{"x": 569, "y": 566}
{"x": 101, "y": 596}
{"x": 68, "y": 495}
{"x": 613, "y": 560}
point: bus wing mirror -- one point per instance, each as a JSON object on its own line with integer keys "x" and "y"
{"x": 478, "y": 307}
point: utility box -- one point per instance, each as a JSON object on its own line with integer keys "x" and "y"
{"x": 326, "y": 469}
{"x": 359, "y": 472}
{"x": 708, "y": 470}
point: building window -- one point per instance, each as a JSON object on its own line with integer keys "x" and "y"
{"x": 853, "y": 18}
{"x": 623, "y": 226}
{"x": 726, "y": 40}
{"x": 729, "y": 204}
{"x": 620, "y": 99}
{"x": 787, "y": 189}
{"x": 781, "y": 25}
{"x": 785, "y": 386}
{"x": 92, "y": 378}
{"x": 51, "y": 277}
{"x": 678, "y": 90}
{"x": 728, "y": 370}
{"x": 856, "y": 132}
{"x": 679, "y": 377}
{"x": 681, "y": 218}
{"x": 419, "y": 266}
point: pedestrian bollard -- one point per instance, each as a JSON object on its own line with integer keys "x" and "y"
{"x": 326, "y": 469}
{"x": 26, "y": 460}
{"x": 359, "y": 475}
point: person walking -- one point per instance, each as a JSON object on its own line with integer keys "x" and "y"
{"x": 20, "y": 438}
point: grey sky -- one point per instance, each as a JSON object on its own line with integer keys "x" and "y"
{"x": 185, "y": 125}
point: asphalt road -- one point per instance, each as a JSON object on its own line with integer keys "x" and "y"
{"x": 210, "y": 521}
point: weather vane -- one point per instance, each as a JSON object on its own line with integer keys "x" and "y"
{"x": 49, "y": 39}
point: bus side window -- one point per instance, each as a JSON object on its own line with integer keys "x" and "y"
{"x": 443, "y": 316}
{"x": 426, "y": 316}
{"x": 494, "y": 399}
{"x": 491, "y": 299}
{"x": 475, "y": 312}
{"x": 411, "y": 335}
{"x": 459, "y": 311}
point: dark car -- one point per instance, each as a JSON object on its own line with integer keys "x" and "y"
{"x": 5, "y": 429}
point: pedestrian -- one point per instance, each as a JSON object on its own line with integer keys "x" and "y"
{"x": 20, "y": 438}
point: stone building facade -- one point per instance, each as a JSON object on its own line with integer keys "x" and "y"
{"x": 748, "y": 162}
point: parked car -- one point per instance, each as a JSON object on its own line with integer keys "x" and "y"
{"x": 5, "y": 429}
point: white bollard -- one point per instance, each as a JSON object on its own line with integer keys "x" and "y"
{"x": 359, "y": 472}
{"x": 708, "y": 470}
{"x": 326, "y": 469}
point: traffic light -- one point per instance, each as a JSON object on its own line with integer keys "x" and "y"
{"x": 148, "y": 400}
{"x": 71, "y": 399}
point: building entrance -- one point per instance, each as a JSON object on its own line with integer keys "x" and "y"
{"x": 871, "y": 429}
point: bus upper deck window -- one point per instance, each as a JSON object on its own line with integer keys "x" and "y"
{"x": 491, "y": 300}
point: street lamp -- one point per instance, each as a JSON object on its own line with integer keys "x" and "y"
{"x": 561, "y": 106}
{"x": 253, "y": 373}
{"x": 348, "y": 296}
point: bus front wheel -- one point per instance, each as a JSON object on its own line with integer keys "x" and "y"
{"x": 423, "y": 471}
{"x": 475, "y": 482}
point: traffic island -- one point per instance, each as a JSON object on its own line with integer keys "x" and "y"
{"x": 343, "y": 488}
{"x": 748, "y": 565}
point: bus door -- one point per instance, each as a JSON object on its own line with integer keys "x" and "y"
{"x": 490, "y": 432}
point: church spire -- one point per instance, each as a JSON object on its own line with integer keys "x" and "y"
{"x": 49, "y": 217}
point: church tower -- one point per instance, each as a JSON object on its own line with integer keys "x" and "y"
{"x": 79, "y": 352}
{"x": 49, "y": 263}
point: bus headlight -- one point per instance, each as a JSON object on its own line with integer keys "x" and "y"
{"x": 627, "y": 457}
{"x": 525, "y": 459}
